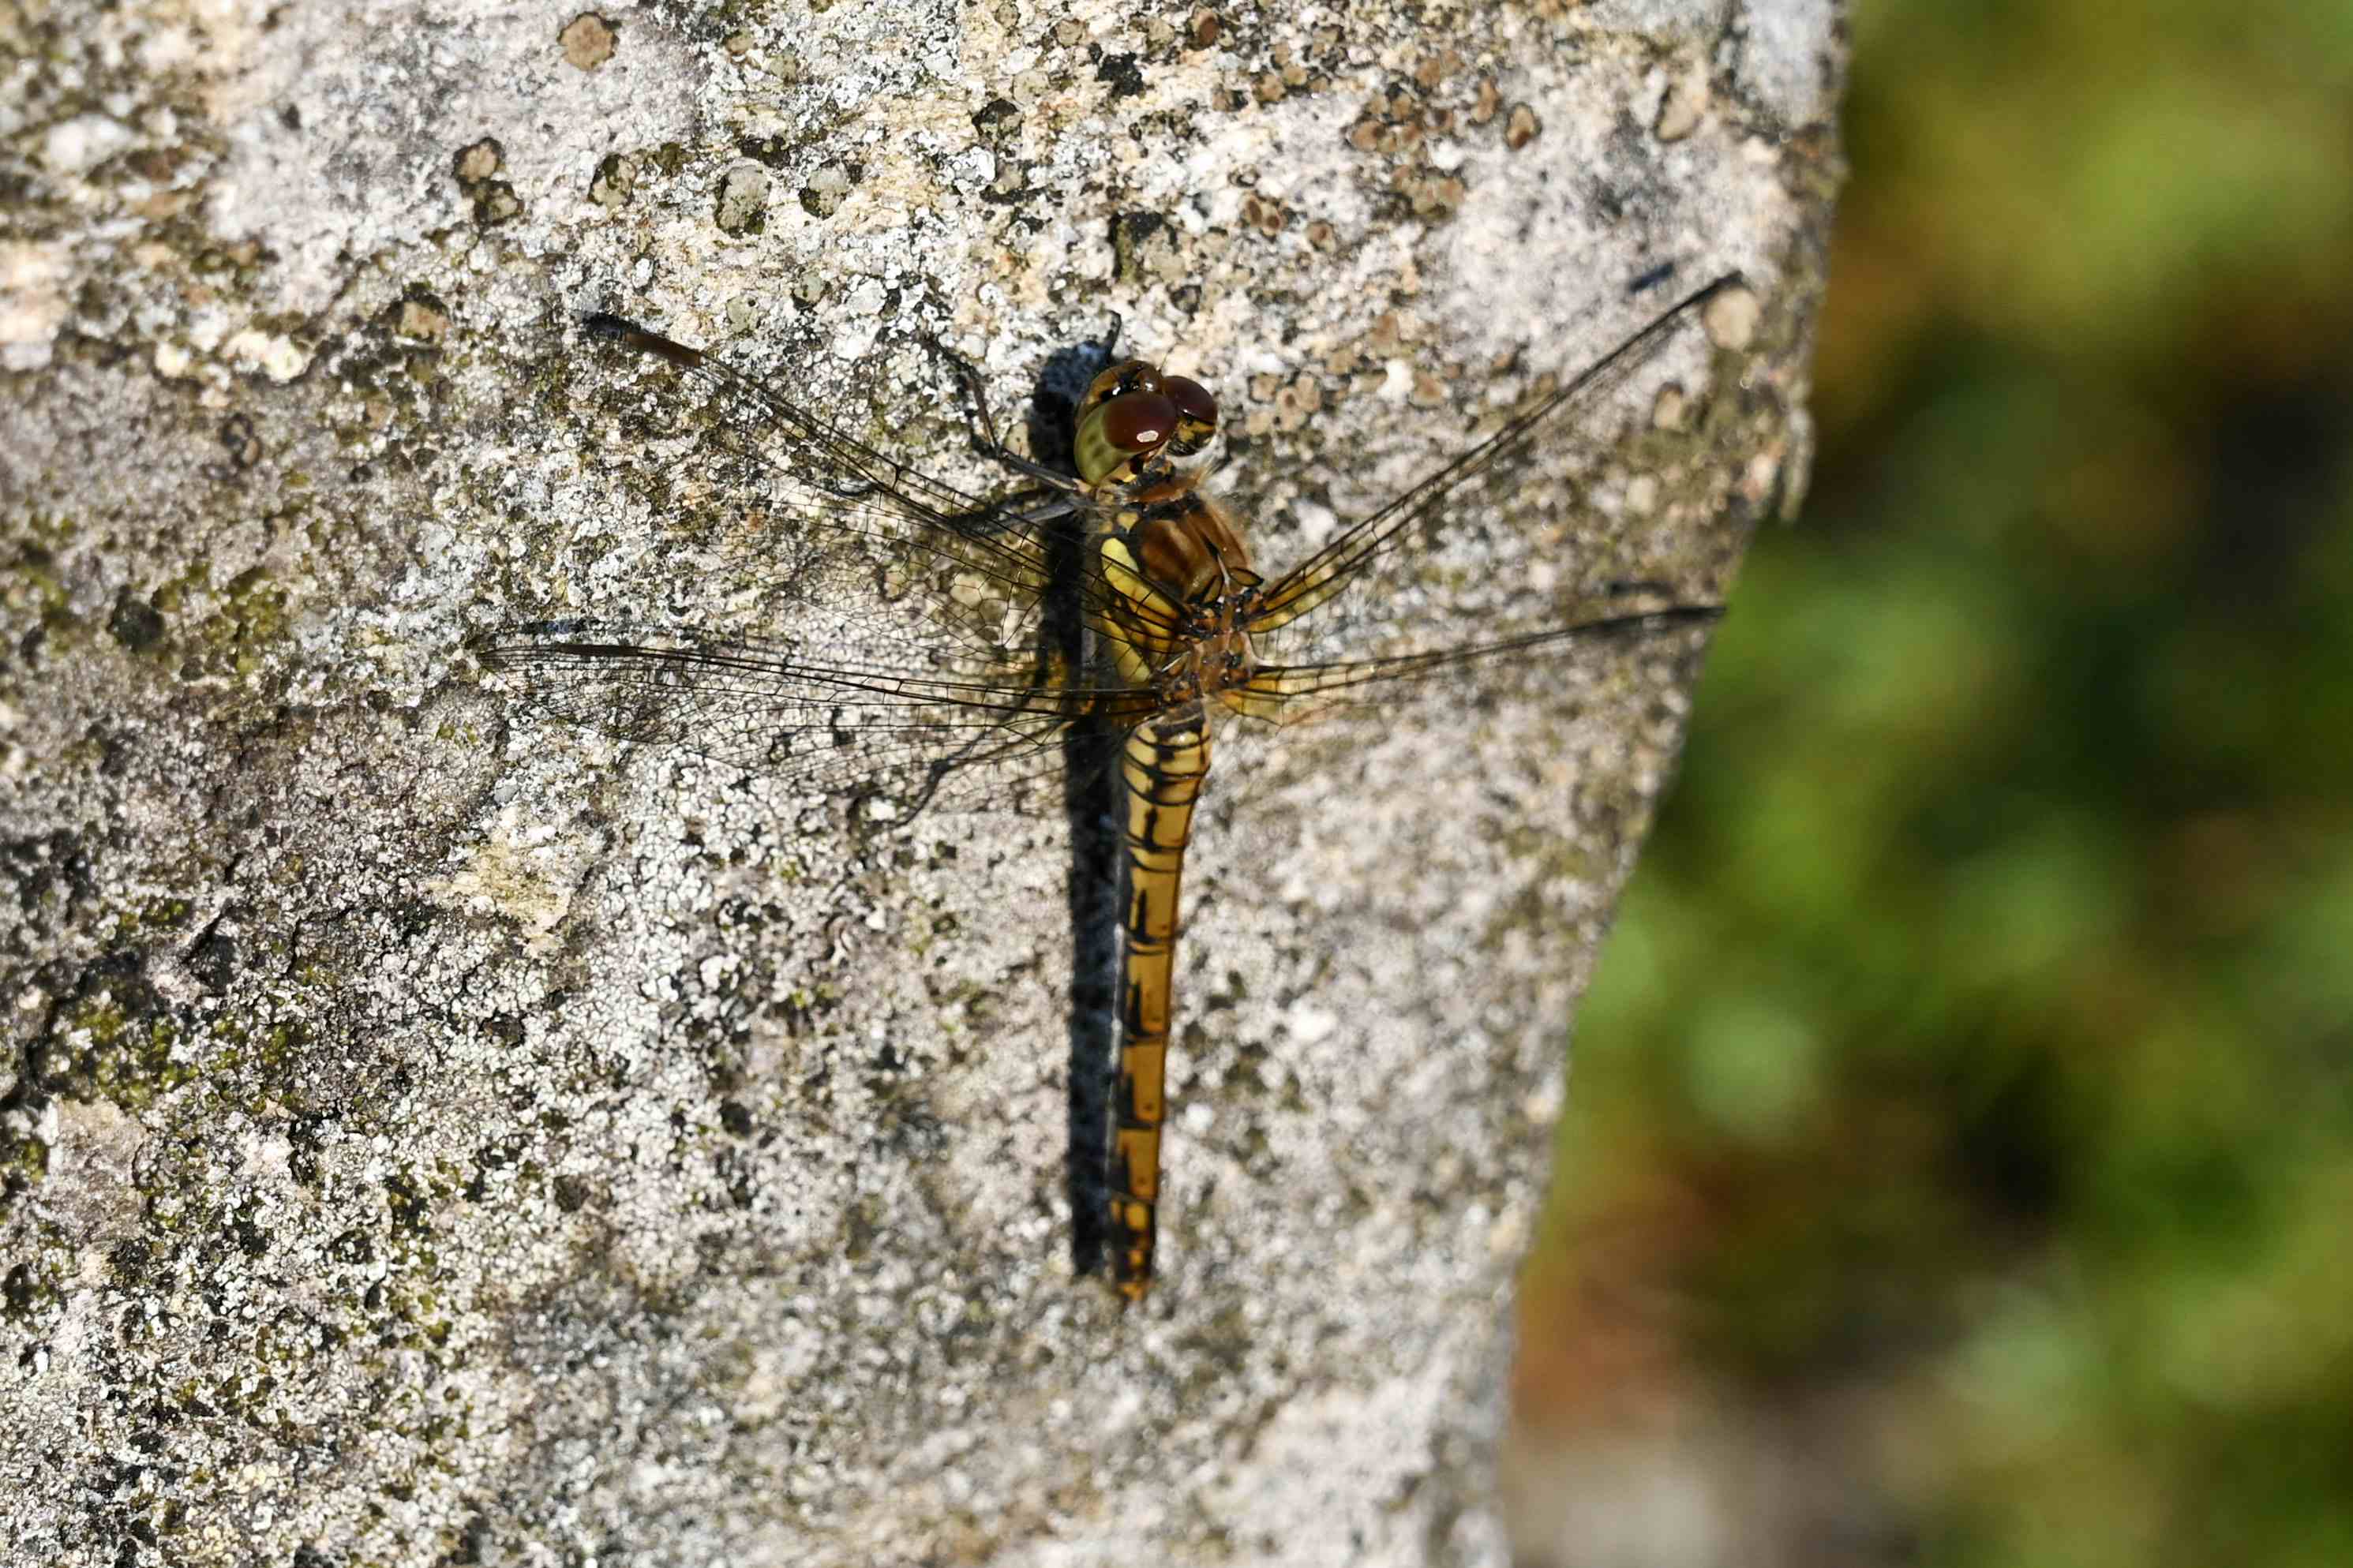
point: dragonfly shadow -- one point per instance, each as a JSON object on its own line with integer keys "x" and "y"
{"x": 1091, "y": 801}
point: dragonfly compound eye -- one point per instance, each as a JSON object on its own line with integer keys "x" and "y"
{"x": 1139, "y": 422}
{"x": 1131, "y": 426}
{"x": 1197, "y": 412}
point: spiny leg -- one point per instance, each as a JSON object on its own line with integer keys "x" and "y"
{"x": 984, "y": 439}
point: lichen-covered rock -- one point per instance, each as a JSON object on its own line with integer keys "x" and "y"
{"x": 433, "y": 1138}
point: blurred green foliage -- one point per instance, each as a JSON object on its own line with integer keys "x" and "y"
{"x": 1972, "y": 1065}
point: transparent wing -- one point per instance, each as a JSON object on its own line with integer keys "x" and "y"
{"x": 1359, "y": 561}
{"x": 1289, "y": 693}
{"x": 956, "y": 731}
{"x": 906, "y": 638}
{"x": 853, "y": 519}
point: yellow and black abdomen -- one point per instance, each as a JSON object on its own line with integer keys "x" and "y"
{"x": 1162, "y": 768}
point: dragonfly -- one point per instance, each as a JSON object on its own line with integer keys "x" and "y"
{"x": 953, "y": 649}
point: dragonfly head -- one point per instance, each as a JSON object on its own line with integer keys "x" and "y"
{"x": 1136, "y": 424}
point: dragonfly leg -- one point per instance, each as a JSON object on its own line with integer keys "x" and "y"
{"x": 984, "y": 439}
{"x": 1031, "y": 508}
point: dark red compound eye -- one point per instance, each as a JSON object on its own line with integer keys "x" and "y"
{"x": 1138, "y": 421}
{"x": 1192, "y": 399}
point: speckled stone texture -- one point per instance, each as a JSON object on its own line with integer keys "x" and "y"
{"x": 432, "y": 1138}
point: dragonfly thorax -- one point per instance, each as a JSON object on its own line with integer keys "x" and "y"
{"x": 1210, "y": 653}
{"x": 1183, "y": 544}
{"x": 1182, "y": 595}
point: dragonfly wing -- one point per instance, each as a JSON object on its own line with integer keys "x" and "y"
{"x": 957, "y": 732}
{"x": 808, "y": 456}
{"x": 862, "y": 526}
{"x": 855, "y": 513}
{"x": 1377, "y": 542}
{"x": 1289, "y": 693}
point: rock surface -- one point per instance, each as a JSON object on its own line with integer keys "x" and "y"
{"x": 434, "y": 1138}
